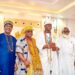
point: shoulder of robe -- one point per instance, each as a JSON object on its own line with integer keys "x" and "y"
{"x": 72, "y": 39}
{"x": 34, "y": 39}
{"x": 14, "y": 38}
{"x": 1, "y": 35}
{"x": 22, "y": 39}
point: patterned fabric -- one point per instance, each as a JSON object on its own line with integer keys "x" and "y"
{"x": 28, "y": 51}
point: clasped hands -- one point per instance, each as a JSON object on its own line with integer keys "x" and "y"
{"x": 51, "y": 46}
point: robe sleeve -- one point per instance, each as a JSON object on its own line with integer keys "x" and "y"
{"x": 39, "y": 43}
{"x": 19, "y": 47}
{"x": 58, "y": 43}
{"x": 74, "y": 47}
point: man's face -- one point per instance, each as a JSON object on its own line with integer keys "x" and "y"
{"x": 8, "y": 28}
{"x": 48, "y": 27}
{"x": 29, "y": 33}
{"x": 66, "y": 31}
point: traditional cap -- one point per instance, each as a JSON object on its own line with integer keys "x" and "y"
{"x": 8, "y": 22}
{"x": 27, "y": 27}
{"x": 47, "y": 23}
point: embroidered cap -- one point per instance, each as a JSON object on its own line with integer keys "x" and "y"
{"x": 27, "y": 27}
{"x": 48, "y": 24}
{"x": 8, "y": 22}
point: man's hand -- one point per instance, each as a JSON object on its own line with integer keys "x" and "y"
{"x": 53, "y": 46}
{"x": 16, "y": 67}
{"x": 23, "y": 59}
{"x": 27, "y": 63}
{"x": 46, "y": 46}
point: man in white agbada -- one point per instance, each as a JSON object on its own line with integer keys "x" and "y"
{"x": 47, "y": 51}
{"x": 66, "y": 52}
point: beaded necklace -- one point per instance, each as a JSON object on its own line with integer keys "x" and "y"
{"x": 9, "y": 43}
{"x": 47, "y": 41}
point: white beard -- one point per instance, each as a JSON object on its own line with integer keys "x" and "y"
{"x": 66, "y": 36}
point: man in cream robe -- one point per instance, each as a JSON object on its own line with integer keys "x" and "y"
{"x": 66, "y": 53}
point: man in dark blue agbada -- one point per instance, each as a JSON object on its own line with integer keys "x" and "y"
{"x": 7, "y": 50}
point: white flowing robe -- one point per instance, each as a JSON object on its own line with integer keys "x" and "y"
{"x": 66, "y": 55}
{"x": 40, "y": 41}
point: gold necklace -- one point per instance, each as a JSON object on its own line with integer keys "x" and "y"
{"x": 10, "y": 46}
